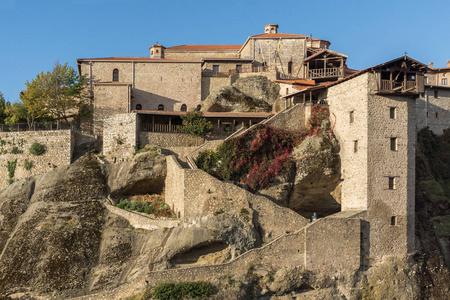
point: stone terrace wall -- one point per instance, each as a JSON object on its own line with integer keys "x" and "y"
{"x": 119, "y": 139}
{"x": 169, "y": 139}
{"x": 59, "y": 145}
{"x": 294, "y": 118}
{"x": 194, "y": 193}
{"x": 139, "y": 220}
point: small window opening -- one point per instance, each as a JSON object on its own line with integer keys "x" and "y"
{"x": 444, "y": 81}
{"x": 115, "y": 75}
{"x": 161, "y": 107}
{"x": 392, "y": 183}
{"x": 199, "y": 107}
{"x": 393, "y": 112}
{"x": 138, "y": 107}
{"x": 394, "y": 221}
{"x": 157, "y": 51}
{"x": 352, "y": 116}
{"x": 290, "y": 67}
{"x": 393, "y": 144}
{"x": 436, "y": 115}
{"x": 425, "y": 80}
{"x": 436, "y": 94}
{"x": 287, "y": 91}
{"x": 355, "y": 146}
{"x": 152, "y": 52}
{"x": 215, "y": 68}
{"x": 183, "y": 107}
{"x": 239, "y": 68}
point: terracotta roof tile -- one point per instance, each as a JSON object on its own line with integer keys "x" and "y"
{"x": 208, "y": 114}
{"x": 300, "y": 81}
{"x": 133, "y": 58}
{"x": 278, "y": 35}
{"x": 205, "y": 47}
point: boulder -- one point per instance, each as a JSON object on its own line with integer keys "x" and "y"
{"x": 144, "y": 174}
{"x": 316, "y": 184}
{"x": 249, "y": 94}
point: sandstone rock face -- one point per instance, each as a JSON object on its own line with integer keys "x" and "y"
{"x": 316, "y": 184}
{"x": 145, "y": 174}
{"x": 249, "y": 94}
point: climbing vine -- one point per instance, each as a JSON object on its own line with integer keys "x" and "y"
{"x": 258, "y": 156}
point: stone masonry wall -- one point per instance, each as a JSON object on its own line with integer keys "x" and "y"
{"x": 142, "y": 221}
{"x": 291, "y": 50}
{"x": 59, "y": 145}
{"x": 293, "y": 118}
{"x": 438, "y": 111}
{"x": 169, "y": 139}
{"x": 351, "y": 97}
{"x": 210, "y": 84}
{"x": 174, "y": 186}
{"x": 387, "y": 202}
{"x": 119, "y": 138}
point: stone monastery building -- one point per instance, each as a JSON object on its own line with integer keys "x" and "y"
{"x": 376, "y": 114}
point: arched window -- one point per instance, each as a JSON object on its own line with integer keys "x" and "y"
{"x": 290, "y": 67}
{"x": 183, "y": 107}
{"x": 115, "y": 75}
{"x": 138, "y": 107}
{"x": 160, "y": 107}
{"x": 199, "y": 107}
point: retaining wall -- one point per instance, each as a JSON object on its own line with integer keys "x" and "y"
{"x": 59, "y": 145}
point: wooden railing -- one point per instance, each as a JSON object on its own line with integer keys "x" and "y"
{"x": 388, "y": 85}
{"x": 147, "y": 127}
{"x": 323, "y": 73}
{"x": 166, "y": 128}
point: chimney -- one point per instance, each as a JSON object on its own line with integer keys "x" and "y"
{"x": 448, "y": 63}
{"x": 271, "y": 28}
{"x": 431, "y": 65}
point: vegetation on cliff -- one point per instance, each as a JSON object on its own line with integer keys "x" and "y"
{"x": 257, "y": 157}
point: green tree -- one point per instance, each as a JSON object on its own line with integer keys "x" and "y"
{"x": 58, "y": 93}
{"x": 195, "y": 124}
{"x": 3, "y": 107}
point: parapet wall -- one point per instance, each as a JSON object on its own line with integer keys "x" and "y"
{"x": 59, "y": 145}
{"x": 163, "y": 139}
{"x": 294, "y": 118}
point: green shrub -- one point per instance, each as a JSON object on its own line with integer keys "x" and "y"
{"x": 11, "y": 166}
{"x": 16, "y": 150}
{"x": 178, "y": 291}
{"x": 27, "y": 164}
{"x": 158, "y": 207}
{"x": 37, "y": 149}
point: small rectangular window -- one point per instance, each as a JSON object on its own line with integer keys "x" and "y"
{"x": 393, "y": 144}
{"x": 444, "y": 81}
{"x": 436, "y": 94}
{"x": 425, "y": 80}
{"x": 355, "y": 146}
{"x": 352, "y": 116}
{"x": 239, "y": 68}
{"x": 215, "y": 68}
{"x": 391, "y": 183}
{"x": 393, "y": 112}
{"x": 394, "y": 221}
{"x": 436, "y": 115}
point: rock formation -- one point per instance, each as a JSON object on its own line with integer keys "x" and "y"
{"x": 248, "y": 94}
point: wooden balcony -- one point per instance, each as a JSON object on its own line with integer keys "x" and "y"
{"x": 325, "y": 73}
{"x": 393, "y": 86}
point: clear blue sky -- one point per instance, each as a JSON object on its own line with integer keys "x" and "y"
{"x": 34, "y": 34}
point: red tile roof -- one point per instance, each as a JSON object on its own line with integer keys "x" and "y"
{"x": 314, "y": 39}
{"x": 278, "y": 35}
{"x": 208, "y": 114}
{"x": 300, "y": 81}
{"x": 134, "y": 58}
{"x": 205, "y": 47}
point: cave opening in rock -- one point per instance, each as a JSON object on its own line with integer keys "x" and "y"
{"x": 209, "y": 254}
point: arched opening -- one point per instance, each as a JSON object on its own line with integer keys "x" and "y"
{"x": 199, "y": 107}
{"x": 138, "y": 107}
{"x": 115, "y": 75}
{"x": 290, "y": 67}
{"x": 161, "y": 107}
{"x": 183, "y": 107}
